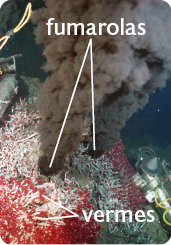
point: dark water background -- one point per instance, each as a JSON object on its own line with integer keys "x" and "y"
{"x": 153, "y": 121}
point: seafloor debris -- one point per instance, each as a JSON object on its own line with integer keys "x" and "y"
{"x": 12, "y": 84}
{"x": 8, "y": 88}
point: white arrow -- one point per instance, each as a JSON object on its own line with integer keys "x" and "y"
{"x": 89, "y": 47}
{"x": 61, "y": 217}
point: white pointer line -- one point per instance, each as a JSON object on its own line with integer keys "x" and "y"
{"x": 60, "y": 217}
{"x": 72, "y": 97}
{"x": 92, "y": 92}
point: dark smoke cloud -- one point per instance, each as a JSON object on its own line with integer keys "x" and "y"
{"x": 126, "y": 70}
